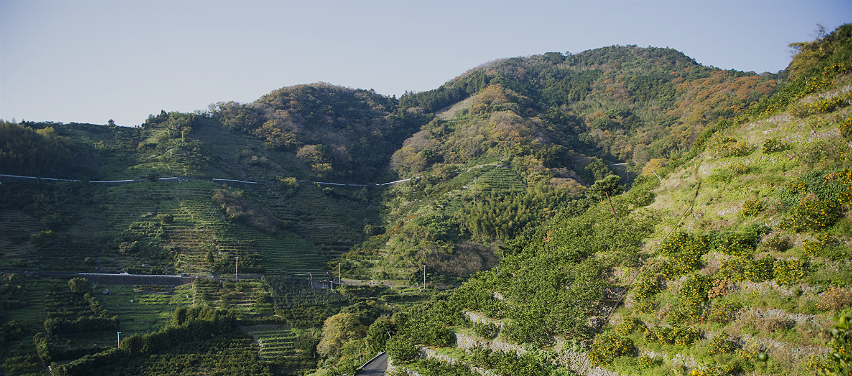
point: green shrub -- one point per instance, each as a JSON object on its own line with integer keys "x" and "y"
{"x": 722, "y": 344}
{"x": 817, "y": 246}
{"x": 841, "y": 182}
{"x": 166, "y": 219}
{"x": 644, "y": 289}
{"x": 845, "y": 128}
{"x": 628, "y": 326}
{"x": 823, "y": 106}
{"x": 487, "y": 330}
{"x": 673, "y": 335}
{"x": 608, "y": 346}
{"x": 729, "y": 147}
{"x": 752, "y": 208}
{"x": 723, "y": 311}
{"x": 812, "y": 213}
{"x": 737, "y": 244}
{"x": 401, "y": 349}
{"x": 776, "y": 243}
{"x": 841, "y": 348}
{"x": 683, "y": 252}
{"x": 790, "y": 271}
{"x": 739, "y": 168}
{"x": 735, "y": 268}
{"x": 772, "y": 145}
{"x": 760, "y": 270}
{"x": 691, "y": 299}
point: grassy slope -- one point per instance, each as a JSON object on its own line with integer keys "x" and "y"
{"x": 740, "y": 315}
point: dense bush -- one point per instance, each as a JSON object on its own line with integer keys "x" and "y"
{"x": 752, "y": 208}
{"x": 511, "y": 363}
{"x": 691, "y": 299}
{"x": 776, "y": 243}
{"x": 732, "y": 148}
{"x": 401, "y": 349}
{"x": 739, "y": 244}
{"x": 772, "y": 145}
{"x": 644, "y": 289}
{"x": 432, "y": 367}
{"x": 487, "y": 330}
{"x": 822, "y": 106}
{"x": 723, "y": 311}
{"x": 671, "y": 335}
{"x": 722, "y": 343}
{"x": 683, "y": 252}
{"x": 608, "y": 346}
{"x": 813, "y": 214}
{"x": 628, "y": 325}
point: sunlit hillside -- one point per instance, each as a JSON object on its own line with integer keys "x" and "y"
{"x": 619, "y": 211}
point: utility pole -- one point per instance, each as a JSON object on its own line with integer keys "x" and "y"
{"x": 119, "y": 339}
{"x": 237, "y": 270}
{"x": 424, "y": 276}
{"x": 338, "y": 273}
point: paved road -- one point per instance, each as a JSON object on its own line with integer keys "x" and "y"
{"x": 375, "y": 367}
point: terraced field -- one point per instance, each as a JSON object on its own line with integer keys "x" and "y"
{"x": 142, "y": 309}
{"x": 15, "y": 230}
{"x": 275, "y": 342}
{"x": 284, "y": 346}
{"x": 501, "y": 179}
{"x": 246, "y": 298}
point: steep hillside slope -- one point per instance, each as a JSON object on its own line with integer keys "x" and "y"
{"x": 731, "y": 260}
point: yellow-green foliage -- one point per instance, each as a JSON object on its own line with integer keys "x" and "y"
{"x": 738, "y": 245}
{"x": 844, "y": 180}
{"x": 644, "y": 289}
{"x": 739, "y": 168}
{"x": 760, "y": 270}
{"x": 730, "y": 147}
{"x": 845, "y": 127}
{"x": 823, "y": 106}
{"x": 772, "y": 145}
{"x": 722, "y": 344}
{"x": 691, "y": 299}
{"x": 628, "y": 326}
{"x": 752, "y": 208}
{"x": 776, "y": 243}
{"x": 608, "y": 346}
{"x": 723, "y": 311}
{"x": 748, "y": 269}
{"x": 788, "y": 272}
{"x": 814, "y": 247}
{"x": 683, "y": 252}
{"x": 674, "y": 335}
{"x": 812, "y": 214}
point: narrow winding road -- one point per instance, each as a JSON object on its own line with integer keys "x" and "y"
{"x": 374, "y": 367}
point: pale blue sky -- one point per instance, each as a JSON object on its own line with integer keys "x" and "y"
{"x": 95, "y": 60}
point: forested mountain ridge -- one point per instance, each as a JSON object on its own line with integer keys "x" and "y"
{"x": 624, "y": 102}
{"x": 723, "y": 236}
{"x": 509, "y": 143}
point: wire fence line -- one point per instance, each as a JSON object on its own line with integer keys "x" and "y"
{"x": 182, "y": 179}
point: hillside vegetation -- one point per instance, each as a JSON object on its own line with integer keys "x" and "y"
{"x": 622, "y": 210}
{"x": 731, "y": 260}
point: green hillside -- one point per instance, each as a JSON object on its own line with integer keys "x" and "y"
{"x": 622, "y": 210}
{"x": 731, "y": 260}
